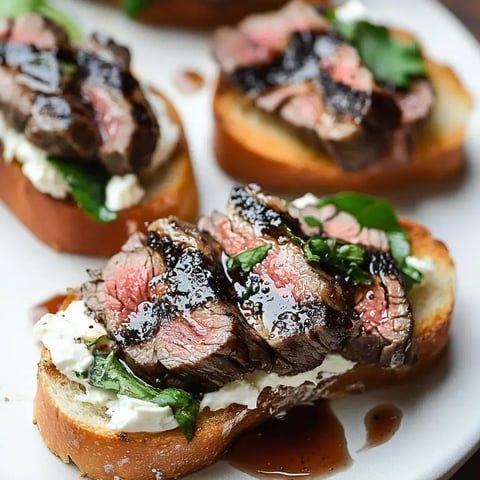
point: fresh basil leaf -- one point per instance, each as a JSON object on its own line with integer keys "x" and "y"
{"x": 391, "y": 61}
{"x": 312, "y": 222}
{"x": 372, "y": 212}
{"x": 14, "y": 8}
{"x": 109, "y": 373}
{"x": 61, "y": 19}
{"x": 339, "y": 259}
{"x": 87, "y": 183}
{"x": 133, "y": 7}
{"x": 249, "y": 258}
{"x": 353, "y": 253}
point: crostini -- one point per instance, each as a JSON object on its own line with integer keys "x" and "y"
{"x": 307, "y": 100}
{"x": 204, "y": 14}
{"x": 88, "y": 153}
{"x": 191, "y": 335}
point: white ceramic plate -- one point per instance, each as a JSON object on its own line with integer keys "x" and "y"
{"x": 441, "y": 423}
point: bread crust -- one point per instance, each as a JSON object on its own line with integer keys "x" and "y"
{"x": 66, "y": 228}
{"x": 253, "y": 146}
{"x": 202, "y": 14}
{"x": 101, "y": 454}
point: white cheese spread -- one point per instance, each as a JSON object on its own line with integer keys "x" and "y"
{"x": 64, "y": 334}
{"x": 122, "y": 191}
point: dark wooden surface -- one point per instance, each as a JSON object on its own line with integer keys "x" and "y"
{"x": 468, "y": 11}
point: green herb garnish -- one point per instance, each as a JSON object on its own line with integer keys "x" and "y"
{"x": 14, "y": 8}
{"x": 249, "y": 258}
{"x": 109, "y": 373}
{"x": 344, "y": 260}
{"x": 392, "y": 61}
{"x": 133, "y": 7}
{"x": 87, "y": 183}
{"x": 312, "y": 222}
{"x": 372, "y": 212}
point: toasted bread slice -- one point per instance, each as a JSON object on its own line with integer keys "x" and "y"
{"x": 254, "y": 146}
{"x": 65, "y": 227}
{"x": 203, "y": 15}
{"x": 77, "y": 432}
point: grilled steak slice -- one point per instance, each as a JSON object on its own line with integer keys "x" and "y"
{"x": 299, "y": 310}
{"x": 35, "y": 29}
{"x": 74, "y": 101}
{"x": 127, "y": 124}
{"x": 165, "y": 301}
{"x": 63, "y": 127}
{"x": 294, "y": 64}
{"x": 386, "y": 330}
{"x": 383, "y": 332}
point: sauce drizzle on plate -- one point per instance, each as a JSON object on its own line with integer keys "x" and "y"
{"x": 306, "y": 443}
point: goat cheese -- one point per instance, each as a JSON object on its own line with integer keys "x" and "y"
{"x": 65, "y": 332}
{"x": 123, "y": 191}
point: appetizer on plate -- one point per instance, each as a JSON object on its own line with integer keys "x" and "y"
{"x": 307, "y": 100}
{"x": 195, "y": 13}
{"x": 88, "y": 153}
{"x": 191, "y": 335}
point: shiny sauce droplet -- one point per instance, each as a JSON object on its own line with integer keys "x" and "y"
{"x": 51, "y": 305}
{"x": 306, "y": 443}
{"x": 189, "y": 81}
{"x": 382, "y": 422}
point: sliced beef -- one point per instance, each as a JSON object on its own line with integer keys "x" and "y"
{"x": 384, "y": 331}
{"x": 75, "y": 101}
{"x": 107, "y": 50}
{"x": 127, "y": 124}
{"x": 299, "y": 310}
{"x": 294, "y": 64}
{"x": 165, "y": 300}
{"x": 63, "y": 127}
{"x": 258, "y": 38}
{"x": 34, "y": 29}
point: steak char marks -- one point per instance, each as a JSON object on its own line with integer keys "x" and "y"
{"x": 383, "y": 331}
{"x": 302, "y": 312}
{"x": 165, "y": 300}
{"x": 294, "y": 64}
{"x": 76, "y": 102}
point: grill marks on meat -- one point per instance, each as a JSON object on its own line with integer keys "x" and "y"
{"x": 386, "y": 330}
{"x": 295, "y": 307}
{"x": 294, "y": 64}
{"x": 383, "y": 331}
{"x": 127, "y": 125}
{"x": 182, "y": 317}
{"x": 77, "y": 101}
{"x": 163, "y": 298}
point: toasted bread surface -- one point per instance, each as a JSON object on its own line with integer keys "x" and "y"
{"x": 65, "y": 227}
{"x": 77, "y": 432}
{"x": 202, "y": 14}
{"x": 254, "y": 146}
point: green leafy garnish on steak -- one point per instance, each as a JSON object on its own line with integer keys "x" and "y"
{"x": 344, "y": 260}
{"x": 87, "y": 183}
{"x": 134, "y": 7}
{"x": 109, "y": 373}
{"x": 372, "y": 212}
{"x": 391, "y": 61}
{"x": 14, "y": 8}
{"x": 249, "y": 258}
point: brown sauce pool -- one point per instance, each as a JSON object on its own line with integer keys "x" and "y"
{"x": 306, "y": 443}
{"x": 189, "y": 81}
{"x": 381, "y": 423}
{"x": 51, "y": 305}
